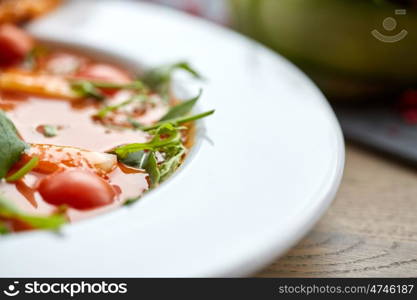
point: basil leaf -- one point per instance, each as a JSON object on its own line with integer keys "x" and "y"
{"x": 11, "y": 146}
{"x": 53, "y": 222}
{"x": 181, "y": 109}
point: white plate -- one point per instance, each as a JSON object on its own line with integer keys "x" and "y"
{"x": 268, "y": 169}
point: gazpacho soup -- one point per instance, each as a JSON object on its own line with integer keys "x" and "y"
{"x": 80, "y": 136}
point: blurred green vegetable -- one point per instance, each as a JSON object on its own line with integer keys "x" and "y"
{"x": 332, "y": 41}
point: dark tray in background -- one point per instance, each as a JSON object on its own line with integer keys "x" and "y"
{"x": 379, "y": 126}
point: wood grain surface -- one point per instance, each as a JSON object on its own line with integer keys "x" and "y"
{"x": 370, "y": 229}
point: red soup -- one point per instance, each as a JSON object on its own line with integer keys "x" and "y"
{"x": 79, "y": 136}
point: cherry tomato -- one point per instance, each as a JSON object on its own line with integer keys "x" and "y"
{"x": 106, "y": 73}
{"x": 14, "y": 44}
{"x": 79, "y": 189}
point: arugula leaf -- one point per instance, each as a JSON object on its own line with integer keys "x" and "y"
{"x": 181, "y": 109}
{"x": 53, "y": 222}
{"x": 151, "y": 166}
{"x": 178, "y": 121}
{"x": 11, "y": 146}
{"x": 49, "y": 130}
{"x": 131, "y": 201}
{"x": 136, "y": 159}
{"x": 159, "y": 79}
{"x": 90, "y": 88}
{"x": 86, "y": 89}
{"x": 147, "y": 161}
{"x": 107, "y": 109}
{"x": 164, "y": 135}
{"x": 29, "y": 166}
{"x": 173, "y": 158}
{"x": 31, "y": 59}
{"x": 134, "y": 85}
{"x": 167, "y": 141}
{"x": 135, "y": 124}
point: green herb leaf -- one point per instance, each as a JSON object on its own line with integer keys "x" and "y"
{"x": 167, "y": 142}
{"x": 179, "y": 121}
{"x": 53, "y": 222}
{"x": 181, "y": 109}
{"x": 135, "y": 124}
{"x": 159, "y": 79}
{"x": 151, "y": 167}
{"x": 107, "y": 109}
{"x": 164, "y": 135}
{"x": 31, "y": 59}
{"x": 136, "y": 159}
{"x": 146, "y": 161}
{"x": 90, "y": 88}
{"x": 173, "y": 158}
{"x": 86, "y": 89}
{"x": 131, "y": 201}
{"x": 29, "y": 166}
{"x": 134, "y": 85}
{"x": 11, "y": 146}
{"x": 49, "y": 130}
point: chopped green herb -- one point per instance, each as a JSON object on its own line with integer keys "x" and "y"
{"x": 31, "y": 59}
{"x": 135, "y": 85}
{"x": 159, "y": 79}
{"x": 107, "y": 109}
{"x": 90, "y": 88}
{"x": 166, "y": 141}
{"x": 173, "y": 157}
{"x": 164, "y": 135}
{"x": 29, "y": 166}
{"x": 49, "y": 130}
{"x": 179, "y": 121}
{"x": 151, "y": 166}
{"x": 134, "y": 123}
{"x": 145, "y": 160}
{"x": 181, "y": 109}
{"x": 131, "y": 201}
{"x": 9, "y": 212}
{"x": 86, "y": 89}
{"x": 11, "y": 146}
{"x": 136, "y": 159}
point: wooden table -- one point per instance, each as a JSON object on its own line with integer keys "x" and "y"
{"x": 370, "y": 229}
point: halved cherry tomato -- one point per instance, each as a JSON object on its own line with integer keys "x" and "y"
{"x": 106, "y": 73}
{"x": 79, "y": 189}
{"x": 14, "y": 44}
